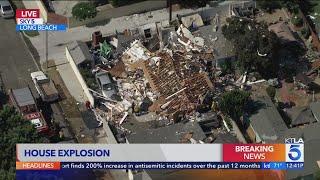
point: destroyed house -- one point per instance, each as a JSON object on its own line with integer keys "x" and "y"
{"x": 179, "y": 84}
{"x": 223, "y": 49}
{"x": 192, "y": 21}
{"x": 134, "y": 54}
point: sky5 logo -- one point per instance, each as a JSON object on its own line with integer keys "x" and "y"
{"x": 294, "y": 150}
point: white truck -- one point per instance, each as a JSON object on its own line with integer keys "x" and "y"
{"x": 45, "y": 87}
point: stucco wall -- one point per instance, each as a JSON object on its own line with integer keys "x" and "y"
{"x": 43, "y": 10}
{"x": 110, "y": 137}
{"x": 37, "y": 4}
{"x": 79, "y": 77}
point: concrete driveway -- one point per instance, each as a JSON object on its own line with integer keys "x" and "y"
{"x": 16, "y": 63}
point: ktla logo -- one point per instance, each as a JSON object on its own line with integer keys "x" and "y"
{"x": 294, "y": 150}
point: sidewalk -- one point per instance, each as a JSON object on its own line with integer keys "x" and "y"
{"x": 58, "y": 40}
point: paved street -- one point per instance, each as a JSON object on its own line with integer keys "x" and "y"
{"x": 16, "y": 63}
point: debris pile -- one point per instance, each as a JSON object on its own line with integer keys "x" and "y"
{"x": 170, "y": 83}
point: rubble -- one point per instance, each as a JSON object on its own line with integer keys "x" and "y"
{"x": 170, "y": 83}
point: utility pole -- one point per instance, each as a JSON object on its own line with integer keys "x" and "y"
{"x": 313, "y": 96}
{"x": 46, "y": 49}
{"x": 169, "y": 5}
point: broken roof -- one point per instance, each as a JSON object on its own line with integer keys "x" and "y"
{"x": 215, "y": 40}
{"x": 169, "y": 134}
{"x": 124, "y": 41}
{"x": 177, "y": 81}
{"x": 192, "y": 20}
{"x": 135, "y": 53}
{"x": 79, "y": 51}
{"x": 266, "y": 121}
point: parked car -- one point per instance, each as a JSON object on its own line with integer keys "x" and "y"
{"x": 106, "y": 84}
{"x": 6, "y": 10}
{"x": 45, "y": 87}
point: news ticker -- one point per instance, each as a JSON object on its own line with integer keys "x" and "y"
{"x": 158, "y": 165}
{"x": 159, "y": 156}
{"x": 30, "y": 20}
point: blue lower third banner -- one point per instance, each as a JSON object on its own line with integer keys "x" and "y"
{"x": 41, "y": 27}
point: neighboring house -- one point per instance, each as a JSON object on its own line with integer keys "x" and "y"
{"x": 304, "y": 117}
{"x": 226, "y": 138}
{"x": 283, "y": 31}
{"x": 266, "y": 124}
{"x": 243, "y": 9}
{"x": 80, "y": 53}
{"x": 176, "y": 133}
{"x": 78, "y": 56}
{"x": 315, "y": 108}
{"x": 311, "y": 137}
{"x": 223, "y": 49}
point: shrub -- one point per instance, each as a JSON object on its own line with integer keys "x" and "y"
{"x": 84, "y": 10}
{"x": 271, "y": 91}
{"x": 305, "y": 32}
{"x": 227, "y": 67}
{"x": 297, "y": 21}
{"x": 316, "y": 175}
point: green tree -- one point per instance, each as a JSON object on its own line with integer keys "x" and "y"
{"x": 227, "y": 67}
{"x": 316, "y": 175}
{"x": 297, "y": 21}
{"x": 256, "y": 47}
{"x": 233, "y": 103}
{"x": 292, "y": 5}
{"x": 84, "y": 10}
{"x": 269, "y": 5}
{"x": 13, "y": 130}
